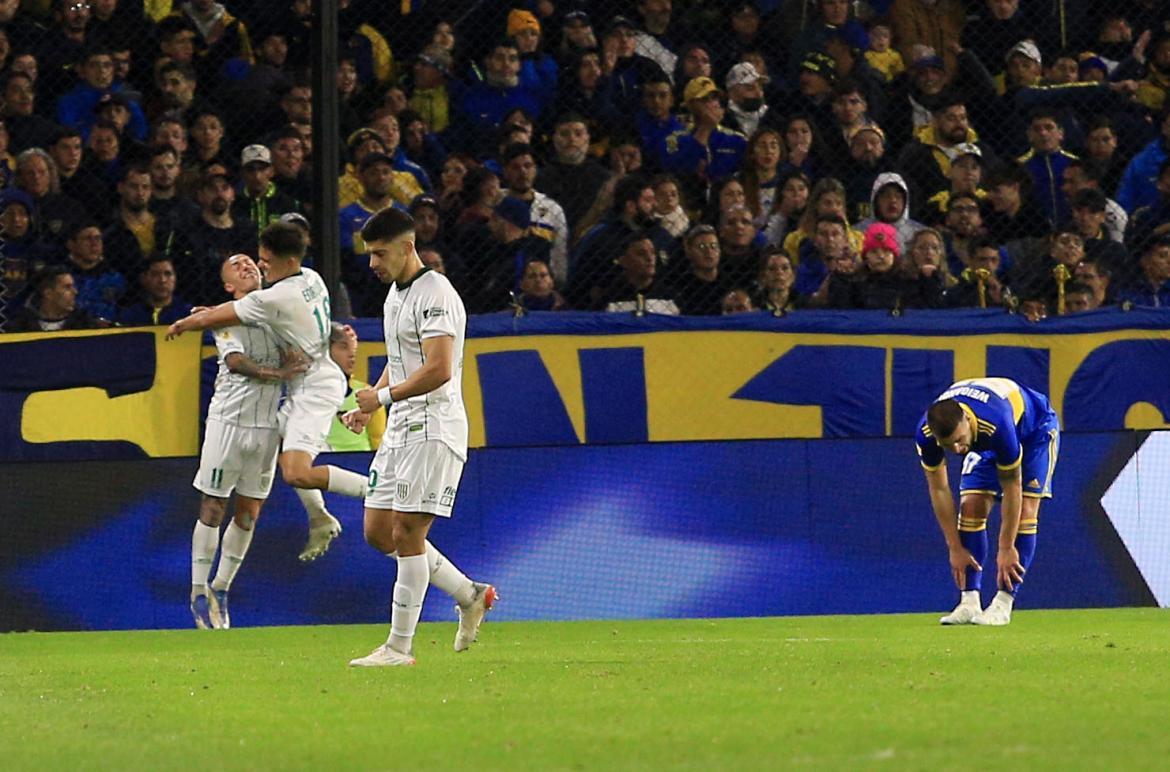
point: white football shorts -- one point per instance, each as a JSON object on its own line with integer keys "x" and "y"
{"x": 422, "y": 477}
{"x": 238, "y": 458}
{"x": 305, "y": 425}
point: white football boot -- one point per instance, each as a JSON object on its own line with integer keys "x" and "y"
{"x": 320, "y": 537}
{"x": 967, "y": 610}
{"x": 471, "y": 616}
{"x": 999, "y": 612}
{"x": 383, "y": 656}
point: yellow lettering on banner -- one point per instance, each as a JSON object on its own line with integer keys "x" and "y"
{"x": 1143, "y": 415}
{"x": 163, "y": 420}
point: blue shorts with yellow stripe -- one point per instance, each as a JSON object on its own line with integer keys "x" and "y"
{"x": 980, "y": 474}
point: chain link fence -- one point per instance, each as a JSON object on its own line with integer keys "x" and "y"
{"x": 676, "y": 157}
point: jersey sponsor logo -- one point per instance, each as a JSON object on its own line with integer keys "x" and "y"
{"x": 448, "y": 497}
{"x": 1033, "y": 483}
{"x": 433, "y": 313}
{"x": 414, "y": 428}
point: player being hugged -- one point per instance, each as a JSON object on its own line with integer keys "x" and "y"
{"x": 1010, "y": 438}
{"x": 415, "y": 474}
{"x": 295, "y": 306}
{"x": 239, "y": 446}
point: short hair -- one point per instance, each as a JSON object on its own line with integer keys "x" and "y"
{"x": 12, "y": 75}
{"x": 517, "y": 149}
{"x": 96, "y": 48}
{"x": 74, "y": 227}
{"x": 46, "y": 277}
{"x": 133, "y": 168}
{"x": 186, "y": 71}
{"x": 982, "y": 242}
{"x": 1091, "y": 169}
{"x": 943, "y": 417}
{"x": 387, "y": 225}
{"x": 946, "y": 99}
{"x": 1100, "y": 122}
{"x": 1102, "y": 266}
{"x": 957, "y": 197}
{"x": 835, "y": 219}
{"x": 173, "y": 25}
{"x": 847, "y": 85}
{"x": 153, "y": 259}
{"x": 628, "y": 189}
{"x": 1044, "y": 112}
{"x": 1009, "y": 175}
{"x": 1076, "y": 286}
{"x": 570, "y": 117}
{"x": 284, "y": 240}
{"x": 63, "y": 132}
{"x": 164, "y": 150}
{"x": 633, "y": 237}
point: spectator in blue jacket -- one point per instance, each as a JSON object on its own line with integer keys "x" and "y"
{"x": 484, "y": 104}
{"x": 707, "y": 149}
{"x": 538, "y": 70}
{"x": 159, "y": 304}
{"x": 1046, "y": 162}
{"x": 655, "y": 120}
{"x": 1152, "y": 287}
{"x": 99, "y": 287}
{"x": 1139, "y": 182}
{"x": 76, "y": 108}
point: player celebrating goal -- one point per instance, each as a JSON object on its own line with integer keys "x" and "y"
{"x": 239, "y": 447}
{"x": 295, "y": 306}
{"x": 1010, "y": 438}
{"x": 415, "y": 474}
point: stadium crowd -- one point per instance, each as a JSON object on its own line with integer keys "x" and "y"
{"x": 697, "y": 157}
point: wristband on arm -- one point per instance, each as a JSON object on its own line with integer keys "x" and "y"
{"x": 384, "y": 397}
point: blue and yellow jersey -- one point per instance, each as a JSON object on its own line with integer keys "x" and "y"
{"x": 1007, "y": 418}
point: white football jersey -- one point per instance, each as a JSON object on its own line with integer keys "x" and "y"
{"x": 238, "y": 399}
{"x": 427, "y": 306}
{"x": 296, "y": 308}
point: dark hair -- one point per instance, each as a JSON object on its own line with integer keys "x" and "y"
{"x": 517, "y": 149}
{"x": 570, "y": 117}
{"x": 1080, "y": 287}
{"x": 164, "y": 150}
{"x": 833, "y": 218}
{"x": 473, "y": 180}
{"x": 152, "y": 259}
{"x": 186, "y": 71}
{"x": 1043, "y": 112}
{"x": 284, "y": 240}
{"x": 47, "y": 277}
{"x": 95, "y": 49}
{"x": 982, "y": 242}
{"x": 64, "y": 132}
{"x": 628, "y": 189}
{"x": 960, "y": 196}
{"x": 76, "y": 226}
{"x": 134, "y": 168}
{"x": 172, "y": 25}
{"x": 387, "y": 225}
{"x": 1102, "y": 266}
{"x": 12, "y": 75}
{"x": 943, "y": 419}
{"x": 847, "y": 85}
{"x": 1100, "y": 122}
{"x": 105, "y": 123}
{"x": 1091, "y": 168}
{"x": 1010, "y": 175}
{"x": 634, "y": 236}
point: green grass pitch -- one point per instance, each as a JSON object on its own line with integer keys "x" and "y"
{"x": 1055, "y": 690}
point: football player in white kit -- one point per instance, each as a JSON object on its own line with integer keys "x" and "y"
{"x": 295, "y": 306}
{"x": 415, "y": 474}
{"x": 239, "y": 447}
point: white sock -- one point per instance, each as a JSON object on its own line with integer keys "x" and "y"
{"x": 234, "y": 547}
{"x": 204, "y": 543}
{"x": 346, "y": 483}
{"x": 409, "y": 590}
{"x": 314, "y": 503}
{"x": 1003, "y": 596}
{"x": 448, "y": 578}
{"x": 969, "y": 598}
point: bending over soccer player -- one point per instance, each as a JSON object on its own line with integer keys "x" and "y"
{"x": 415, "y": 473}
{"x": 239, "y": 447}
{"x": 295, "y": 306}
{"x": 1010, "y": 438}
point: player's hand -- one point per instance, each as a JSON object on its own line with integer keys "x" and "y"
{"x": 367, "y": 400}
{"x": 199, "y": 310}
{"x": 355, "y": 420}
{"x": 175, "y": 330}
{"x": 293, "y": 362}
{"x": 961, "y": 560}
{"x": 1010, "y": 572}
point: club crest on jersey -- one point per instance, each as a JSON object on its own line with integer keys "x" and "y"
{"x": 403, "y": 490}
{"x": 433, "y": 313}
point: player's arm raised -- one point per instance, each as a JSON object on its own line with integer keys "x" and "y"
{"x": 223, "y": 315}
{"x": 438, "y": 366}
{"x": 943, "y": 503}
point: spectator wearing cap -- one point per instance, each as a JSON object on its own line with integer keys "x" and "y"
{"x": 890, "y": 205}
{"x": 815, "y": 79}
{"x": 53, "y": 305}
{"x": 1152, "y": 287}
{"x": 159, "y": 305}
{"x": 99, "y": 286}
{"x": 500, "y": 268}
{"x": 931, "y": 23}
{"x": 571, "y": 177}
{"x": 698, "y": 291}
{"x": 132, "y": 236}
{"x": 199, "y": 247}
{"x": 707, "y": 150}
{"x": 74, "y": 178}
{"x": 626, "y": 68}
{"x": 258, "y": 200}
{"x": 430, "y": 96}
{"x": 867, "y": 159}
{"x": 1139, "y": 181}
{"x": 882, "y": 281}
{"x": 375, "y": 173}
{"x": 22, "y": 253}
{"x": 547, "y": 218}
{"x": 966, "y": 178}
{"x": 926, "y": 161}
{"x": 404, "y": 186}
{"x": 538, "y": 70}
{"x": 577, "y": 35}
{"x": 655, "y": 119}
{"x": 484, "y": 104}
{"x": 745, "y": 99}
{"x": 96, "y": 79}
{"x": 913, "y": 97}
{"x": 1152, "y": 220}
{"x": 1046, "y": 162}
